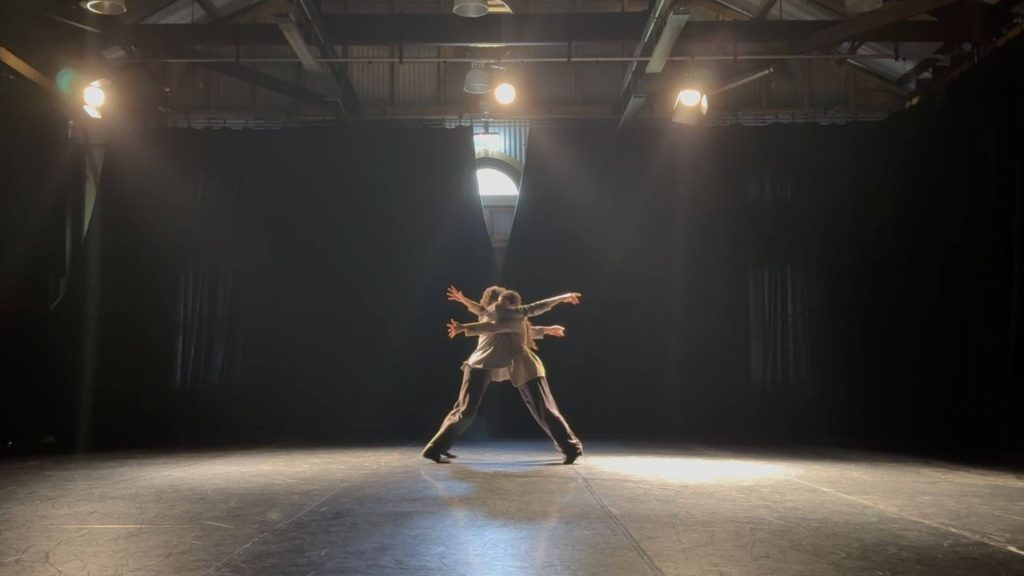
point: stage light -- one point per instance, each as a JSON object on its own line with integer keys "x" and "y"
{"x": 478, "y": 80}
{"x": 106, "y": 7}
{"x": 94, "y": 96}
{"x": 470, "y": 8}
{"x": 689, "y": 97}
{"x": 691, "y": 107}
{"x": 505, "y": 93}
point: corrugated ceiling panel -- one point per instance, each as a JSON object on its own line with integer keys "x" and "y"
{"x": 372, "y": 81}
{"x": 418, "y": 81}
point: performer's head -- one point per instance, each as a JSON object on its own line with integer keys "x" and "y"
{"x": 491, "y": 295}
{"x": 510, "y": 298}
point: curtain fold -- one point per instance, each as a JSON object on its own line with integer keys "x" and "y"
{"x": 857, "y": 284}
{"x": 283, "y": 283}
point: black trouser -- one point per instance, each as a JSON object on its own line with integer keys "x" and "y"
{"x": 474, "y": 385}
{"x": 538, "y": 398}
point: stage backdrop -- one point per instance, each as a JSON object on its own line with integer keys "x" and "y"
{"x": 40, "y": 169}
{"x": 854, "y": 284}
{"x": 281, "y": 284}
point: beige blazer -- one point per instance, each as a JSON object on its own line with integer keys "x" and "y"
{"x": 503, "y": 347}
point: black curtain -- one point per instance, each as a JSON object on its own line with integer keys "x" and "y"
{"x": 856, "y": 284}
{"x": 281, "y": 284}
{"x": 40, "y": 172}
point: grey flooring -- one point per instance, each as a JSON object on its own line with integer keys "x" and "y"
{"x": 507, "y": 508}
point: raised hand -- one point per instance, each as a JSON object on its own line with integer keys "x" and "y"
{"x": 455, "y": 295}
{"x": 556, "y": 331}
{"x": 572, "y": 298}
{"x": 454, "y": 328}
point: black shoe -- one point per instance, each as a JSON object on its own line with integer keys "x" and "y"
{"x": 448, "y": 454}
{"x": 571, "y": 457}
{"x": 436, "y": 456}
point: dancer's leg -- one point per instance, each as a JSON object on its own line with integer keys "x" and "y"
{"x": 474, "y": 385}
{"x": 538, "y": 398}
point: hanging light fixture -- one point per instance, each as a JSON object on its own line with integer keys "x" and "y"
{"x": 470, "y": 8}
{"x": 478, "y": 79}
{"x": 106, "y": 7}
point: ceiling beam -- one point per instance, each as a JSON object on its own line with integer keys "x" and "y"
{"x": 766, "y": 7}
{"x": 982, "y": 19}
{"x": 322, "y": 37}
{"x": 375, "y": 30}
{"x": 212, "y": 12}
{"x": 633, "y": 101}
{"x": 27, "y": 70}
{"x": 855, "y": 28}
{"x": 269, "y": 82}
{"x": 252, "y": 76}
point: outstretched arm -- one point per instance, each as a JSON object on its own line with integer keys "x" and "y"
{"x": 480, "y": 328}
{"x": 456, "y": 295}
{"x": 539, "y": 332}
{"x": 542, "y": 306}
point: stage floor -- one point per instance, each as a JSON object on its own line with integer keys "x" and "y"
{"x": 507, "y": 509}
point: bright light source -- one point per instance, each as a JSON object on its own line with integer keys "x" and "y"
{"x": 494, "y": 182}
{"x": 691, "y": 107}
{"x": 689, "y": 97}
{"x": 94, "y": 95}
{"x": 106, "y": 7}
{"x": 487, "y": 142}
{"x": 505, "y": 93}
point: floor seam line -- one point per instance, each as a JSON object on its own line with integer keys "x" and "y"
{"x": 894, "y": 512}
{"x": 652, "y": 567}
{"x": 270, "y": 532}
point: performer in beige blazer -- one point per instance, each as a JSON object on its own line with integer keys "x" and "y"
{"x": 504, "y": 353}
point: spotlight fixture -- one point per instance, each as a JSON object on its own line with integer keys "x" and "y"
{"x": 470, "y": 8}
{"x": 505, "y": 93}
{"x": 691, "y": 106}
{"x": 94, "y": 96}
{"x": 478, "y": 79}
{"x": 106, "y": 7}
{"x": 862, "y": 6}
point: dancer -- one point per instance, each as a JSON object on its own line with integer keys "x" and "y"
{"x": 492, "y": 360}
{"x": 528, "y": 374}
